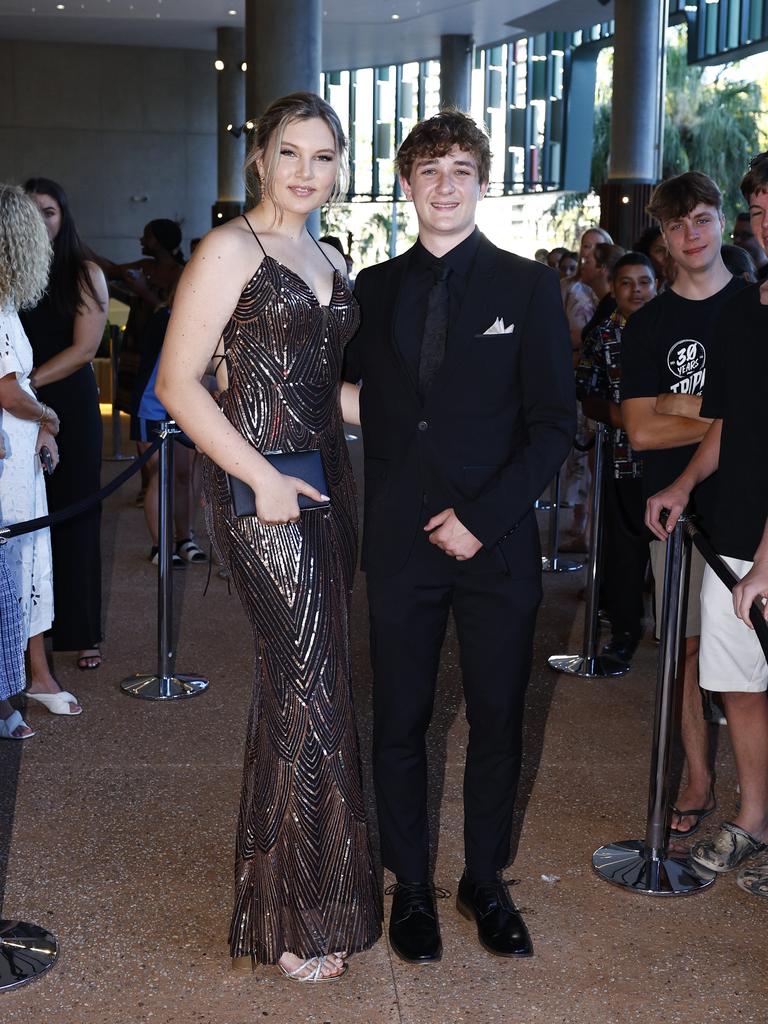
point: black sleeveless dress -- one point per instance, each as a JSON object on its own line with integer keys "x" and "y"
{"x": 305, "y": 881}
{"x": 76, "y": 543}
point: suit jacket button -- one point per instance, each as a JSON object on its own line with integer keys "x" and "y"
{"x": 423, "y": 425}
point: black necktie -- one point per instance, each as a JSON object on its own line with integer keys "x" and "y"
{"x": 435, "y": 329}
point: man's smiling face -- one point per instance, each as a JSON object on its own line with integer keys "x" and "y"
{"x": 445, "y": 191}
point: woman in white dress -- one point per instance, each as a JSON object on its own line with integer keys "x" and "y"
{"x": 27, "y": 426}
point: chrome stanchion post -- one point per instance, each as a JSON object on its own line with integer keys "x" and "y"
{"x": 114, "y": 361}
{"x": 553, "y": 561}
{"x": 26, "y": 952}
{"x": 166, "y": 683}
{"x": 589, "y": 664}
{"x": 646, "y": 865}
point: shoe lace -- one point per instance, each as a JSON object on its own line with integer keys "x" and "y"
{"x": 416, "y": 897}
{"x": 497, "y": 894}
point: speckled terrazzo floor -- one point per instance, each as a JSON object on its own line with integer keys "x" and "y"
{"x": 117, "y": 834}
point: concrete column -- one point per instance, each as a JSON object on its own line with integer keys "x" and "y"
{"x": 230, "y": 48}
{"x": 455, "y": 70}
{"x": 283, "y": 46}
{"x": 637, "y": 121}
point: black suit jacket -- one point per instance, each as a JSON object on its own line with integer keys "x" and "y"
{"x": 496, "y": 426}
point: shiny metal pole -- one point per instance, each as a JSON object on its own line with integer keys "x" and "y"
{"x": 589, "y": 664}
{"x": 166, "y": 683}
{"x": 646, "y": 865}
{"x": 26, "y": 952}
{"x": 115, "y": 339}
{"x": 553, "y": 561}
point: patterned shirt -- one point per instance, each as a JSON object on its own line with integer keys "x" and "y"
{"x": 599, "y": 373}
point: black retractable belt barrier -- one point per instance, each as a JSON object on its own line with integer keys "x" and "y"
{"x": 166, "y": 683}
{"x": 78, "y": 507}
{"x": 647, "y": 866}
{"x": 589, "y": 664}
{"x": 728, "y": 577}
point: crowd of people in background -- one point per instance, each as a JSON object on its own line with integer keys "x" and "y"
{"x": 648, "y": 328}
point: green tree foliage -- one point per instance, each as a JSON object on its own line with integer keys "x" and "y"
{"x": 709, "y": 125}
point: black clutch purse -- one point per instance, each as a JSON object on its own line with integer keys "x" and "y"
{"x": 307, "y": 466}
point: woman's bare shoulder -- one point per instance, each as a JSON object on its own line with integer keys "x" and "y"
{"x": 229, "y": 245}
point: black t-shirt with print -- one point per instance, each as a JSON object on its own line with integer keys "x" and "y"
{"x": 737, "y": 392}
{"x": 666, "y": 347}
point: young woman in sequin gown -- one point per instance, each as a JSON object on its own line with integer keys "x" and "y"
{"x": 275, "y": 305}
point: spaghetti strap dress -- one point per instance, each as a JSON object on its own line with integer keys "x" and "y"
{"x": 304, "y": 876}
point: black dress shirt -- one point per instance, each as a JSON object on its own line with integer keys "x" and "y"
{"x": 414, "y": 291}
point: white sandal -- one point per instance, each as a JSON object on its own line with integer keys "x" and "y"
{"x": 57, "y": 703}
{"x": 316, "y": 973}
{"x": 190, "y": 551}
{"x": 10, "y": 724}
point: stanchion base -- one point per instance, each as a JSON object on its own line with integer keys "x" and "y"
{"x": 560, "y": 564}
{"x": 626, "y": 864}
{"x": 118, "y": 457}
{"x": 26, "y": 952}
{"x": 151, "y": 687}
{"x": 598, "y": 667}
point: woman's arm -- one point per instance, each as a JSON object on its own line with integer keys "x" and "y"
{"x": 350, "y": 403}
{"x": 23, "y": 406}
{"x": 88, "y": 330}
{"x": 208, "y": 291}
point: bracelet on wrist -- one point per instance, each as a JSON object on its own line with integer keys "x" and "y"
{"x": 43, "y": 414}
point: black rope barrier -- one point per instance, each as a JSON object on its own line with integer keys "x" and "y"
{"x": 649, "y": 866}
{"x": 78, "y": 507}
{"x": 728, "y": 577}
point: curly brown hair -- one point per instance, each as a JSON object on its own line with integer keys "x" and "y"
{"x": 25, "y": 251}
{"x": 677, "y": 196}
{"x": 756, "y": 178}
{"x": 438, "y": 135}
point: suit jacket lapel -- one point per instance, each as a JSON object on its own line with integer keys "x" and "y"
{"x": 477, "y": 310}
{"x": 392, "y": 298}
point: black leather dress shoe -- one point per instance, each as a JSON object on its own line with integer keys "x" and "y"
{"x": 621, "y": 646}
{"x": 414, "y": 933}
{"x": 500, "y": 926}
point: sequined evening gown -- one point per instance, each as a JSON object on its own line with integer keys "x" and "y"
{"x": 305, "y": 881}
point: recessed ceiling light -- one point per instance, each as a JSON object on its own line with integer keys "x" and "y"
{"x": 59, "y": 7}
{"x": 395, "y": 17}
{"x": 232, "y": 12}
{"x": 219, "y": 65}
{"x": 244, "y": 66}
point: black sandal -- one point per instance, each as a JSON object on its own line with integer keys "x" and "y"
{"x": 699, "y": 813}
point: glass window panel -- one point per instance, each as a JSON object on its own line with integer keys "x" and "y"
{"x": 363, "y": 128}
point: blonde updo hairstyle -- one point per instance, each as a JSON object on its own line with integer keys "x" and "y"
{"x": 25, "y": 251}
{"x": 267, "y": 141}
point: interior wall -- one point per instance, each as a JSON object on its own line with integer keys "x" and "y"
{"x": 129, "y": 132}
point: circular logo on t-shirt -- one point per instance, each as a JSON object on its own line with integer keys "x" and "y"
{"x": 686, "y": 357}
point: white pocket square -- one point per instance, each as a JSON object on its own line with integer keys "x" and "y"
{"x": 498, "y": 327}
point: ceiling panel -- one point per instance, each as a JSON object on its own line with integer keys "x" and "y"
{"x": 356, "y": 32}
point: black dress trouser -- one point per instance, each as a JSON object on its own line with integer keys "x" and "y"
{"x": 625, "y": 552}
{"x": 495, "y": 617}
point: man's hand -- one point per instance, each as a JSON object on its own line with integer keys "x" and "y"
{"x": 674, "y": 498}
{"x": 449, "y": 534}
{"x": 753, "y": 586}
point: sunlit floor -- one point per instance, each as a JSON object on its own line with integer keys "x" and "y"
{"x": 119, "y": 825}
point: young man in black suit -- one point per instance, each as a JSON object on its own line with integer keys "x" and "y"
{"x": 468, "y": 409}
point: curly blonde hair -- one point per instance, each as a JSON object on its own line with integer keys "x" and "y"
{"x": 25, "y": 251}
